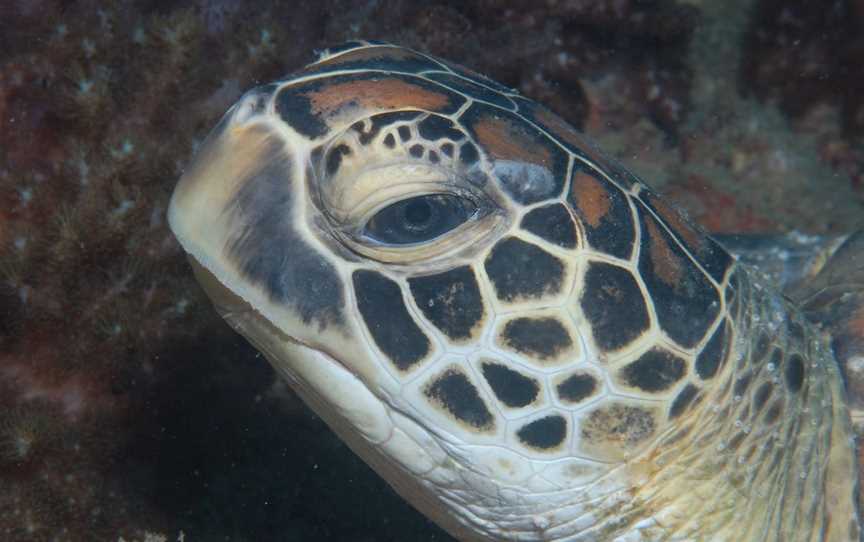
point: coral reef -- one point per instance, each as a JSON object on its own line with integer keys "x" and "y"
{"x": 128, "y": 409}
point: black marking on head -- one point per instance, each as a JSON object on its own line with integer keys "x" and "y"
{"x": 794, "y": 373}
{"x": 389, "y": 141}
{"x": 614, "y": 304}
{"x": 713, "y": 355}
{"x": 685, "y": 301}
{"x": 553, "y": 223}
{"x": 435, "y": 127}
{"x": 380, "y": 302}
{"x": 763, "y": 393}
{"x": 472, "y": 90}
{"x": 296, "y": 110}
{"x": 510, "y": 387}
{"x": 654, "y": 371}
{"x": 682, "y": 400}
{"x": 416, "y": 151}
{"x": 363, "y": 130}
{"x": 381, "y": 121}
{"x": 544, "y": 434}
{"x": 334, "y": 158}
{"x": 456, "y": 394}
{"x": 541, "y": 338}
{"x": 433, "y": 157}
{"x": 269, "y": 253}
{"x": 576, "y": 388}
{"x": 521, "y": 270}
{"x": 447, "y": 149}
{"x": 468, "y": 154}
{"x": 404, "y": 133}
{"x": 714, "y": 259}
{"x": 603, "y": 211}
{"x": 450, "y": 300}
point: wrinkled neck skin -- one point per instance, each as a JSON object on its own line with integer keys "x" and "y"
{"x": 761, "y": 459}
{"x": 768, "y": 455}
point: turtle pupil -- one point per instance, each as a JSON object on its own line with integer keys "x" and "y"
{"x": 419, "y": 219}
{"x": 418, "y": 212}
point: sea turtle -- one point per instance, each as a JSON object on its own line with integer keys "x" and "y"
{"x": 513, "y": 330}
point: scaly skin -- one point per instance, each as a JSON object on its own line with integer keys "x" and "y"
{"x": 541, "y": 349}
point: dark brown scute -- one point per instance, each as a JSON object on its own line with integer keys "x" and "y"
{"x": 614, "y": 305}
{"x": 540, "y": 338}
{"x": 510, "y": 386}
{"x": 457, "y": 395}
{"x": 552, "y": 223}
{"x": 576, "y": 388}
{"x": 523, "y": 270}
{"x": 604, "y": 212}
{"x": 544, "y": 434}
{"x": 655, "y": 371}
{"x": 450, "y": 300}
{"x": 685, "y": 300}
{"x": 380, "y": 303}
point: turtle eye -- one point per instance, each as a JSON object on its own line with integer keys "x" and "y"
{"x": 419, "y": 219}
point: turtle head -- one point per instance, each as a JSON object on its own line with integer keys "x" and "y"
{"x": 509, "y": 327}
{"x": 452, "y": 279}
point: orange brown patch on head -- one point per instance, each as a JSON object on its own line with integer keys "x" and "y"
{"x": 503, "y": 139}
{"x": 373, "y": 95}
{"x": 665, "y": 262}
{"x": 558, "y": 128}
{"x": 591, "y": 197}
{"x": 678, "y": 223}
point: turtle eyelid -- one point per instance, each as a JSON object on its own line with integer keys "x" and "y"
{"x": 419, "y": 219}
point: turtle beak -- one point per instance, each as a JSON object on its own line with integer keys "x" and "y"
{"x": 230, "y": 159}
{"x": 239, "y": 212}
{"x": 202, "y": 211}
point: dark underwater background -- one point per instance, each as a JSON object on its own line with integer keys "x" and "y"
{"x": 129, "y": 410}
